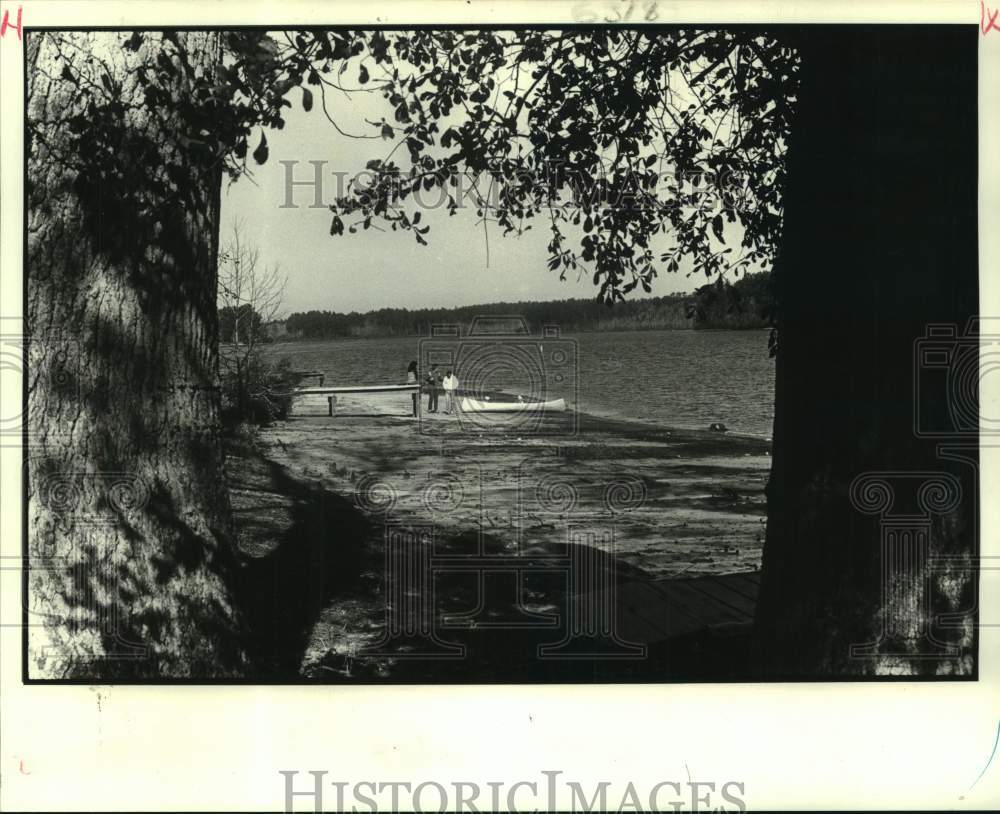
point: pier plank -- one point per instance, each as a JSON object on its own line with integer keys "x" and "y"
{"x": 651, "y": 612}
{"x": 723, "y": 591}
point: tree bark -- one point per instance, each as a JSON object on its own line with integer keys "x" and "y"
{"x": 128, "y": 518}
{"x": 872, "y": 522}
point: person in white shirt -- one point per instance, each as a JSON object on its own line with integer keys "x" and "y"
{"x": 450, "y": 385}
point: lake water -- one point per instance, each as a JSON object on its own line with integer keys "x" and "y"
{"x": 683, "y": 379}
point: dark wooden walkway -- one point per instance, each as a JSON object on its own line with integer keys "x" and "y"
{"x": 653, "y": 612}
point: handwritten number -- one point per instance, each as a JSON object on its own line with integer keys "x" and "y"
{"x": 612, "y": 13}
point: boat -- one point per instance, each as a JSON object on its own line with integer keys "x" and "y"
{"x": 476, "y": 406}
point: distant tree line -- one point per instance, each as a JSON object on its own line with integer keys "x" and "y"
{"x": 747, "y": 303}
{"x": 740, "y": 305}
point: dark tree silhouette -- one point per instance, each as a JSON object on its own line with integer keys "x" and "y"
{"x": 879, "y": 243}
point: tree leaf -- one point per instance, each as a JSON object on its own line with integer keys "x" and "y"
{"x": 717, "y": 227}
{"x": 307, "y": 99}
{"x": 363, "y": 75}
{"x": 282, "y": 87}
{"x": 260, "y": 154}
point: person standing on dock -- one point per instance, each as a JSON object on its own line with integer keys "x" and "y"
{"x": 450, "y": 385}
{"x": 433, "y": 382}
{"x": 411, "y": 378}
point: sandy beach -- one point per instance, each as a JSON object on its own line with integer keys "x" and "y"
{"x": 655, "y": 502}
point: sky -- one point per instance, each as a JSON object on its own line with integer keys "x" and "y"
{"x": 372, "y": 269}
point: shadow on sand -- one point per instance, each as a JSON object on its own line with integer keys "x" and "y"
{"x": 315, "y": 568}
{"x": 301, "y": 545}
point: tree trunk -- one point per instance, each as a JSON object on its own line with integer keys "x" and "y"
{"x": 872, "y": 503}
{"x": 128, "y": 517}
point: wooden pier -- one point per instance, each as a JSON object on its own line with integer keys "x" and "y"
{"x": 656, "y": 611}
{"x": 331, "y": 393}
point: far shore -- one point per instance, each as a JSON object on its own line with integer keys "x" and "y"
{"x": 282, "y": 339}
{"x": 663, "y": 502}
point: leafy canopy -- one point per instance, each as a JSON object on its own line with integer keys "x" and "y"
{"x": 615, "y": 136}
{"x": 637, "y": 147}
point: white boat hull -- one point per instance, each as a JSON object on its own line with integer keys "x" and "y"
{"x": 476, "y": 406}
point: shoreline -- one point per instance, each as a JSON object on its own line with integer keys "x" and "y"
{"x": 673, "y": 396}
{"x": 589, "y": 418}
{"x": 654, "y": 503}
{"x": 695, "y": 498}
